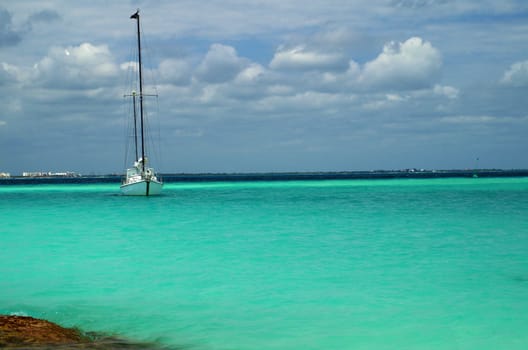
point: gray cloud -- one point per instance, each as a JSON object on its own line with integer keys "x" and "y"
{"x": 9, "y": 36}
{"x": 44, "y": 16}
{"x": 418, "y": 3}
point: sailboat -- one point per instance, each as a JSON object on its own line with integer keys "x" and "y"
{"x": 475, "y": 175}
{"x": 140, "y": 180}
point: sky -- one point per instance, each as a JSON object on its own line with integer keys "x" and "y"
{"x": 267, "y": 85}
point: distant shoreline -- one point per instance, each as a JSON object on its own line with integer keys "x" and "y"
{"x": 279, "y": 176}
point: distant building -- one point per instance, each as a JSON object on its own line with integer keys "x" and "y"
{"x": 33, "y": 174}
{"x": 49, "y": 174}
{"x": 5, "y": 175}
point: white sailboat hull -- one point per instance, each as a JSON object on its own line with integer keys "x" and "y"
{"x": 142, "y": 188}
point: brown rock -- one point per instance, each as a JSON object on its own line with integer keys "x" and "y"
{"x": 20, "y": 331}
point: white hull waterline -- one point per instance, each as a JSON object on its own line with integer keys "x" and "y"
{"x": 141, "y": 181}
{"x": 142, "y": 188}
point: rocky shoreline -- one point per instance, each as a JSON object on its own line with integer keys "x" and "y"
{"x": 23, "y": 332}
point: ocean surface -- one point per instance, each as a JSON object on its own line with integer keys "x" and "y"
{"x": 338, "y": 264}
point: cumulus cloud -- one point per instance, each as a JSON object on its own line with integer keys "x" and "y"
{"x": 302, "y": 58}
{"x": 77, "y": 66}
{"x": 412, "y": 64}
{"x": 517, "y": 75}
{"x": 173, "y": 71}
{"x": 8, "y": 73}
{"x": 410, "y": 68}
{"x": 251, "y": 73}
{"x": 382, "y": 102}
{"x": 249, "y": 84}
{"x": 220, "y": 64}
{"x": 447, "y": 91}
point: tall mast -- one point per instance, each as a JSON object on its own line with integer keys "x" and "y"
{"x": 136, "y": 16}
{"x": 135, "y": 124}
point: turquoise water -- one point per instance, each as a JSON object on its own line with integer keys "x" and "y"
{"x": 345, "y": 264}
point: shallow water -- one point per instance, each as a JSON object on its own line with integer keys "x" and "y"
{"x": 337, "y": 264}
